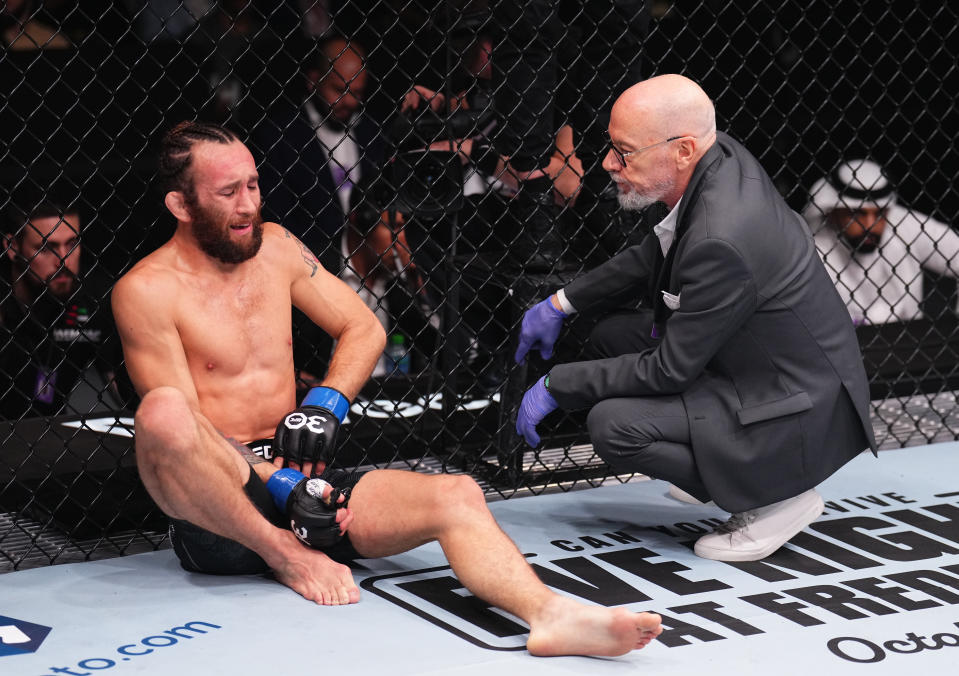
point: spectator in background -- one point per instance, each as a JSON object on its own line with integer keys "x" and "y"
{"x": 875, "y": 249}
{"x": 21, "y": 29}
{"x": 317, "y": 147}
{"x": 553, "y": 61}
{"x": 165, "y": 20}
{"x": 53, "y": 330}
{"x": 228, "y": 49}
{"x": 488, "y": 171}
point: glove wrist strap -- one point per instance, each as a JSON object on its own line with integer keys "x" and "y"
{"x": 330, "y": 399}
{"x": 281, "y": 484}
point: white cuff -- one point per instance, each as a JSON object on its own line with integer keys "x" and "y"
{"x": 564, "y": 303}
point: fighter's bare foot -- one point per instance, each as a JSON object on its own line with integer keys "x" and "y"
{"x": 315, "y": 576}
{"x": 565, "y": 627}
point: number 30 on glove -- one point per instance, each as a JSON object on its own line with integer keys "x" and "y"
{"x": 308, "y": 434}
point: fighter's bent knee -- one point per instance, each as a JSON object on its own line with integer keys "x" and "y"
{"x": 161, "y": 412}
{"x": 457, "y": 490}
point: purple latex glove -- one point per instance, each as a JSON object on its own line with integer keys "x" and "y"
{"x": 537, "y": 404}
{"x": 540, "y": 329}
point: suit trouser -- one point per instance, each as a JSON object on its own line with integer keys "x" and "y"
{"x": 641, "y": 434}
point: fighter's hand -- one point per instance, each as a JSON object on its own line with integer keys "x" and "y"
{"x": 319, "y": 514}
{"x": 306, "y": 437}
{"x": 537, "y": 404}
{"x": 540, "y": 329}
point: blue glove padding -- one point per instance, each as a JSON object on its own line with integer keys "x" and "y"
{"x": 537, "y": 404}
{"x": 308, "y": 434}
{"x": 540, "y": 329}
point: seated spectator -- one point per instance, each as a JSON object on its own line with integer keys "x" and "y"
{"x": 53, "y": 329}
{"x": 874, "y": 248}
{"x": 317, "y": 147}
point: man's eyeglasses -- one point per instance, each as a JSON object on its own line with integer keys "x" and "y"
{"x": 621, "y": 156}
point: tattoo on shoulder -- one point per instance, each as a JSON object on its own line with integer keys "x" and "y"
{"x": 308, "y": 257}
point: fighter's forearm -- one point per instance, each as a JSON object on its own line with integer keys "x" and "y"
{"x": 357, "y": 351}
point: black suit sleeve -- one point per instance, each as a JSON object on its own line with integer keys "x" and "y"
{"x": 717, "y": 295}
{"x": 626, "y": 273}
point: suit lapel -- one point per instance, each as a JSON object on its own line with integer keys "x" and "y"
{"x": 664, "y": 264}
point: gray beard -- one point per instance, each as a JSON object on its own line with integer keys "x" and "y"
{"x": 636, "y": 201}
{"x": 633, "y": 201}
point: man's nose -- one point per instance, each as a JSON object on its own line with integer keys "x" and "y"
{"x": 64, "y": 252}
{"x": 610, "y": 163}
{"x": 246, "y": 205}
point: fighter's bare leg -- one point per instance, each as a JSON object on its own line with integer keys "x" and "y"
{"x": 395, "y": 511}
{"x": 194, "y": 474}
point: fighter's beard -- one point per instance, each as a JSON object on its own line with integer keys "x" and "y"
{"x": 214, "y": 239}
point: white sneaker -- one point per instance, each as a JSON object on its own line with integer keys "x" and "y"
{"x": 754, "y": 535}
{"x": 681, "y": 495}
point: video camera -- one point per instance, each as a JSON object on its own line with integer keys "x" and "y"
{"x": 428, "y": 179}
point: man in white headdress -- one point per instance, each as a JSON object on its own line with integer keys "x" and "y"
{"x": 874, "y": 248}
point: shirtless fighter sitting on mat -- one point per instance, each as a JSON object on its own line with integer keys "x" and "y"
{"x": 206, "y": 327}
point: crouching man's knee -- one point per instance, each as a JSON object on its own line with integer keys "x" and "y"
{"x": 614, "y": 435}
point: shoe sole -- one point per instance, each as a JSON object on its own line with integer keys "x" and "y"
{"x": 813, "y": 512}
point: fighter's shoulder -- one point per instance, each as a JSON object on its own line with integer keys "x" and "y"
{"x": 275, "y": 236}
{"x": 285, "y": 249}
{"x": 153, "y": 278}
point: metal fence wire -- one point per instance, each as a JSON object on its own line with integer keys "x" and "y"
{"x": 381, "y": 130}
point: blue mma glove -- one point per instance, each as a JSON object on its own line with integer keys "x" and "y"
{"x": 308, "y": 434}
{"x": 312, "y": 518}
{"x": 540, "y": 329}
{"x": 537, "y": 404}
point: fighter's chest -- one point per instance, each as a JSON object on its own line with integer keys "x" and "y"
{"x": 241, "y": 321}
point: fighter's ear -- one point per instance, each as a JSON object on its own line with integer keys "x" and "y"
{"x": 176, "y": 203}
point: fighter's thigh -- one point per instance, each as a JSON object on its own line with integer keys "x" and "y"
{"x": 394, "y": 511}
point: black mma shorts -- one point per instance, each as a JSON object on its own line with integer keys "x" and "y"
{"x": 201, "y": 551}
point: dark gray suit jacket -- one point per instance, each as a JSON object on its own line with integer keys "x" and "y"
{"x": 761, "y": 348}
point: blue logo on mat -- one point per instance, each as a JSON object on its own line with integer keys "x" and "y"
{"x": 18, "y": 637}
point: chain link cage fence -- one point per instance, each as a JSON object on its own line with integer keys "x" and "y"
{"x": 380, "y": 131}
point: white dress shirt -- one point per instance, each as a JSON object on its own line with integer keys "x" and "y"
{"x": 665, "y": 231}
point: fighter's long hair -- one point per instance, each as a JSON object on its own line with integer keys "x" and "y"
{"x": 176, "y": 153}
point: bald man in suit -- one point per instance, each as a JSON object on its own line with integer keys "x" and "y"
{"x": 744, "y": 384}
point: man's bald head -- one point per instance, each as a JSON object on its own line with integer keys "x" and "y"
{"x": 666, "y": 106}
{"x": 660, "y": 129}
